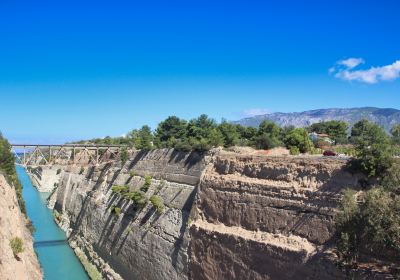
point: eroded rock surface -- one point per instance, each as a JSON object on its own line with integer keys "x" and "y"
{"x": 260, "y": 217}
{"x": 228, "y": 215}
{"x": 45, "y": 179}
{"x": 25, "y": 265}
{"x": 138, "y": 243}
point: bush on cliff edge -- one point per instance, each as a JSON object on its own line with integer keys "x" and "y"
{"x": 7, "y": 167}
{"x": 368, "y": 222}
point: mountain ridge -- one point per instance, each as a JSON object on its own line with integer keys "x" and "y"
{"x": 385, "y": 117}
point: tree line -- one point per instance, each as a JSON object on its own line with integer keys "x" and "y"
{"x": 204, "y": 133}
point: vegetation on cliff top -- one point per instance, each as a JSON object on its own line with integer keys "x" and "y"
{"x": 204, "y": 133}
{"x": 7, "y": 167}
{"x": 368, "y": 223}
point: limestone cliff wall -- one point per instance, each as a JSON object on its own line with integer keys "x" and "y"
{"x": 261, "y": 217}
{"x": 138, "y": 243}
{"x": 13, "y": 224}
{"x": 227, "y": 216}
{"x": 45, "y": 179}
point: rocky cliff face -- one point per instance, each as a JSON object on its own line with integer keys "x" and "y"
{"x": 25, "y": 265}
{"x": 227, "y": 216}
{"x": 138, "y": 243}
{"x": 263, "y": 217}
{"x": 45, "y": 179}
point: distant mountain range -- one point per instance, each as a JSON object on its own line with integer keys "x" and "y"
{"x": 385, "y": 117}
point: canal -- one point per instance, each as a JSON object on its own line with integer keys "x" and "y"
{"x": 56, "y": 257}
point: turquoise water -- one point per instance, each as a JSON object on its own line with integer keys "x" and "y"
{"x": 57, "y": 259}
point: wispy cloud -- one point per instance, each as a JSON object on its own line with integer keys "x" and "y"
{"x": 344, "y": 69}
{"x": 255, "y": 112}
{"x": 350, "y": 63}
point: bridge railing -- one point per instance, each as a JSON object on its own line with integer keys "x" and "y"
{"x": 44, "y": 154}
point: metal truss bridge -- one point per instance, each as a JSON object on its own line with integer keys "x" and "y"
{"x": 43, "y": 154}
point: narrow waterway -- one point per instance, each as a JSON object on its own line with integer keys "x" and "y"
{"x": 57, "y": 259}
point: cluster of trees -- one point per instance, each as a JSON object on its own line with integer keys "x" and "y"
{"x": 369, "y": 220}
{"x": 395, "y": 131}
{"x": 204, "y": 133}
{"x": 337, "y": 130}
{"x": 7, "y": 167}
{"x": 374, "y": 148}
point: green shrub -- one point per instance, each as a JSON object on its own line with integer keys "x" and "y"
{"x": 346, "y": 226}
{"x": 132, "y": 173}
{"x": 58, "y": 171}
{"x": 17, "y": 246}
{"x": 57, "y": 215}
{"x": 315, "y": 151}
{"x": 347, "y": 150}
{"x": 82, "y": 170}
{"x": 371, "y": 226}
{"x": 299, "y": 138}
{"x": 147, "y": 183}
{"x": 138, "y": 198}
{"x": 373, "y": 149}
{"x": 147, "y": 180}
{"x": 157, "y": 203}
{"x": 124, "y": 155}
{"x": 183, "y": 145}
{"x": 120, "y": 189}
{"x": 116, "y": 210}
{"x": 396, "y": 150}
{"x": 382, "y": 222}
{"x": 294, "y": 151}
{"x": 391, "y": 179}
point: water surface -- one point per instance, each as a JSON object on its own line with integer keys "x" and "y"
{"x": 57, "y": 259}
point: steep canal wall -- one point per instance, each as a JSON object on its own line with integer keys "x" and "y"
{"x": 225, "y": 215}
{"x": 122, "y": 238}
{"x": 23, "y": 265}
{"x": 267, "y": 217}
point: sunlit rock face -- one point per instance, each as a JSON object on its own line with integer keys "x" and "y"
{"x": 227, "y": 215}
{"x": 13, "y": 225}
{"x": 139, "y": 243}
{"x": 259, "y": 217}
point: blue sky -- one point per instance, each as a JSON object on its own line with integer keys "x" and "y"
{"x": 82, "y": 69}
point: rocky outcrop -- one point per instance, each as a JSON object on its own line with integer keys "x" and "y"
{"x": 267, "y": 217}
{"x": 24, "y": 265}
{"x": 45, "y": 179}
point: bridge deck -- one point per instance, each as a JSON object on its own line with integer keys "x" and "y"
{"x": 43, "y": 154}
{"x": 67, "y": 146}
